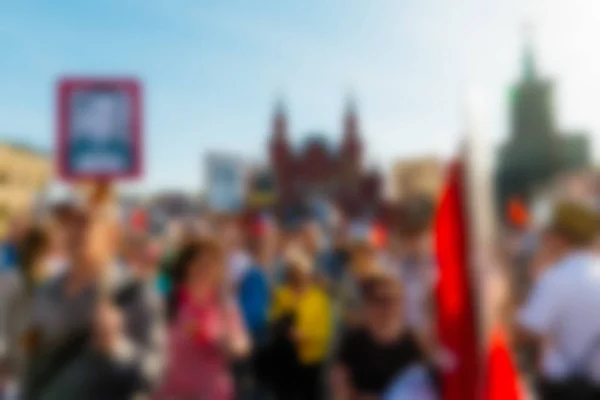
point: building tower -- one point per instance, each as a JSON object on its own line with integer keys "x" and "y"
{"x": 351, "y": 147}
{"x": 535, "y": 151}
{"x": 280, "y": 152}
{"x": 532, "y": 98}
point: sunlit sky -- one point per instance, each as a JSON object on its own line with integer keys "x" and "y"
{"x": 213, "y": 69}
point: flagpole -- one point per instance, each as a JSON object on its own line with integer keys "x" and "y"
{"x": 480, "y": 217}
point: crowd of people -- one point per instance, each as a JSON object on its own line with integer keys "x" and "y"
{"x": 213, "y": 308}
{"x": 217, "y": 307}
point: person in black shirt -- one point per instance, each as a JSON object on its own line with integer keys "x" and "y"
{"x": 370, "y": 357}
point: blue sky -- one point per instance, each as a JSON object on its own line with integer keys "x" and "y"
{"x": 213, "y": 69}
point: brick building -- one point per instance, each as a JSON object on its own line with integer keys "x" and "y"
{"x": 317, "y": 170}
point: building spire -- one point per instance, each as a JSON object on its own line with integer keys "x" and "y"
{"x": 529, "y": 64}
{"x": 351, "y": 128}
{"x": 350, "y": 104}
{"x": 280, "y": 120}
{"x": 280, "y": 108}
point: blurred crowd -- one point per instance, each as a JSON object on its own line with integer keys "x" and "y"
{"x": 214, "y": 307}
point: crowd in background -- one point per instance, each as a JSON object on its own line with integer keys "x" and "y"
{"x": 214, "y": 307}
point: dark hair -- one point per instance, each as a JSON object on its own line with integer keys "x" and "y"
{"x": 183, "y": 261}
{"x": 372, "y": 284}
{"x": 33, "y": 245}
{"x": 416, "y": 216}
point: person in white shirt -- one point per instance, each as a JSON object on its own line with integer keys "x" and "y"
{"x": 562, "y": 313}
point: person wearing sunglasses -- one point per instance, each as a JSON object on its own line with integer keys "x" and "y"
{"x": 372, "y": 355}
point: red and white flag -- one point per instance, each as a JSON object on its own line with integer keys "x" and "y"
{"x": 470, "y": 285}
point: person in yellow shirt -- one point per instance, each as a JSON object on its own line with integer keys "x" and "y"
{"x": 305, "y": 308}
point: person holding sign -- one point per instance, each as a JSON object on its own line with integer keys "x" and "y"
{"x": 95, "y": 331}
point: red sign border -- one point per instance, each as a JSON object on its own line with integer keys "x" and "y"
{"x": 66, "y": 87}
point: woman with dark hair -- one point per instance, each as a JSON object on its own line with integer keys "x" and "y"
{"x": 206, "y": 328}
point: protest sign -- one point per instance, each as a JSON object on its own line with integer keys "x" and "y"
{"x": 99, "y": 129}
{"x": 226, "y": 183}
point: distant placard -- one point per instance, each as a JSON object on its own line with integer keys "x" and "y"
{"x": 226, "y": 183}
{"x": 263, "y": 190}
{"x": 99, "y": 129}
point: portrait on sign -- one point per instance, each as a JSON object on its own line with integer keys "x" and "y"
{"x": 99, "y": 135}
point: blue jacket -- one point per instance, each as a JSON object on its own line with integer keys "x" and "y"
{"x": 255, "y": 300}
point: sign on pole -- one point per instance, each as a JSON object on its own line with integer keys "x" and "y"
{"x": 99, "y": 129}
{"x": 263, "y": 189}
{"x": 226, "y": 183}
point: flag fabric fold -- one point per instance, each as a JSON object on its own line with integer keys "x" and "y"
{"x": 455, "y": 303}
{"x": 480, "y": 369}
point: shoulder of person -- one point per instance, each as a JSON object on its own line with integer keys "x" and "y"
{"x": 555, "y": 275}
{"x": 230, "y": 307}
{"x": 354, "y": 334}
{"x": 282, "y": 292}
{"x": 253, "y": 273}
{"x": 319, "y": 295}
{"x": 51, "y": 287}
{"x": 352, "y": 340}
{"x": 129, "y": 289}
{"x": 410, "y": 339}
{"x": 10, "y": 279}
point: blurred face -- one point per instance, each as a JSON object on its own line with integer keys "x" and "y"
{"x": 312, "y": 235}
{"x": 174, "y": 233}
{"x": 141, "y": 257}
{"x": 416, "y": 245}
{"x": 383, "y": 311}
{"x": 264, "y": 250}
{"x": 363, "y": 260}
{"x": 272, "y": 241}
{"x": 286, "y": 239}
{"x": 231, "y": 235}
{"x": 340, "y": 240}
{"x": 204, "y": 272}
{"x": 297, "y": 277}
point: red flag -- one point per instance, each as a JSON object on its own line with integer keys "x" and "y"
{"x": 501, "y": 382}
{"x": 457, "y": 327}
{"x": 459, "y": 324}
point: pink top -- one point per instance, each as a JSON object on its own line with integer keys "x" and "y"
{"x": 198, "y": 367}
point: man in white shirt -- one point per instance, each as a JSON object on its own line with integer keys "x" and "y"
{"x": 562, "y": 313}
